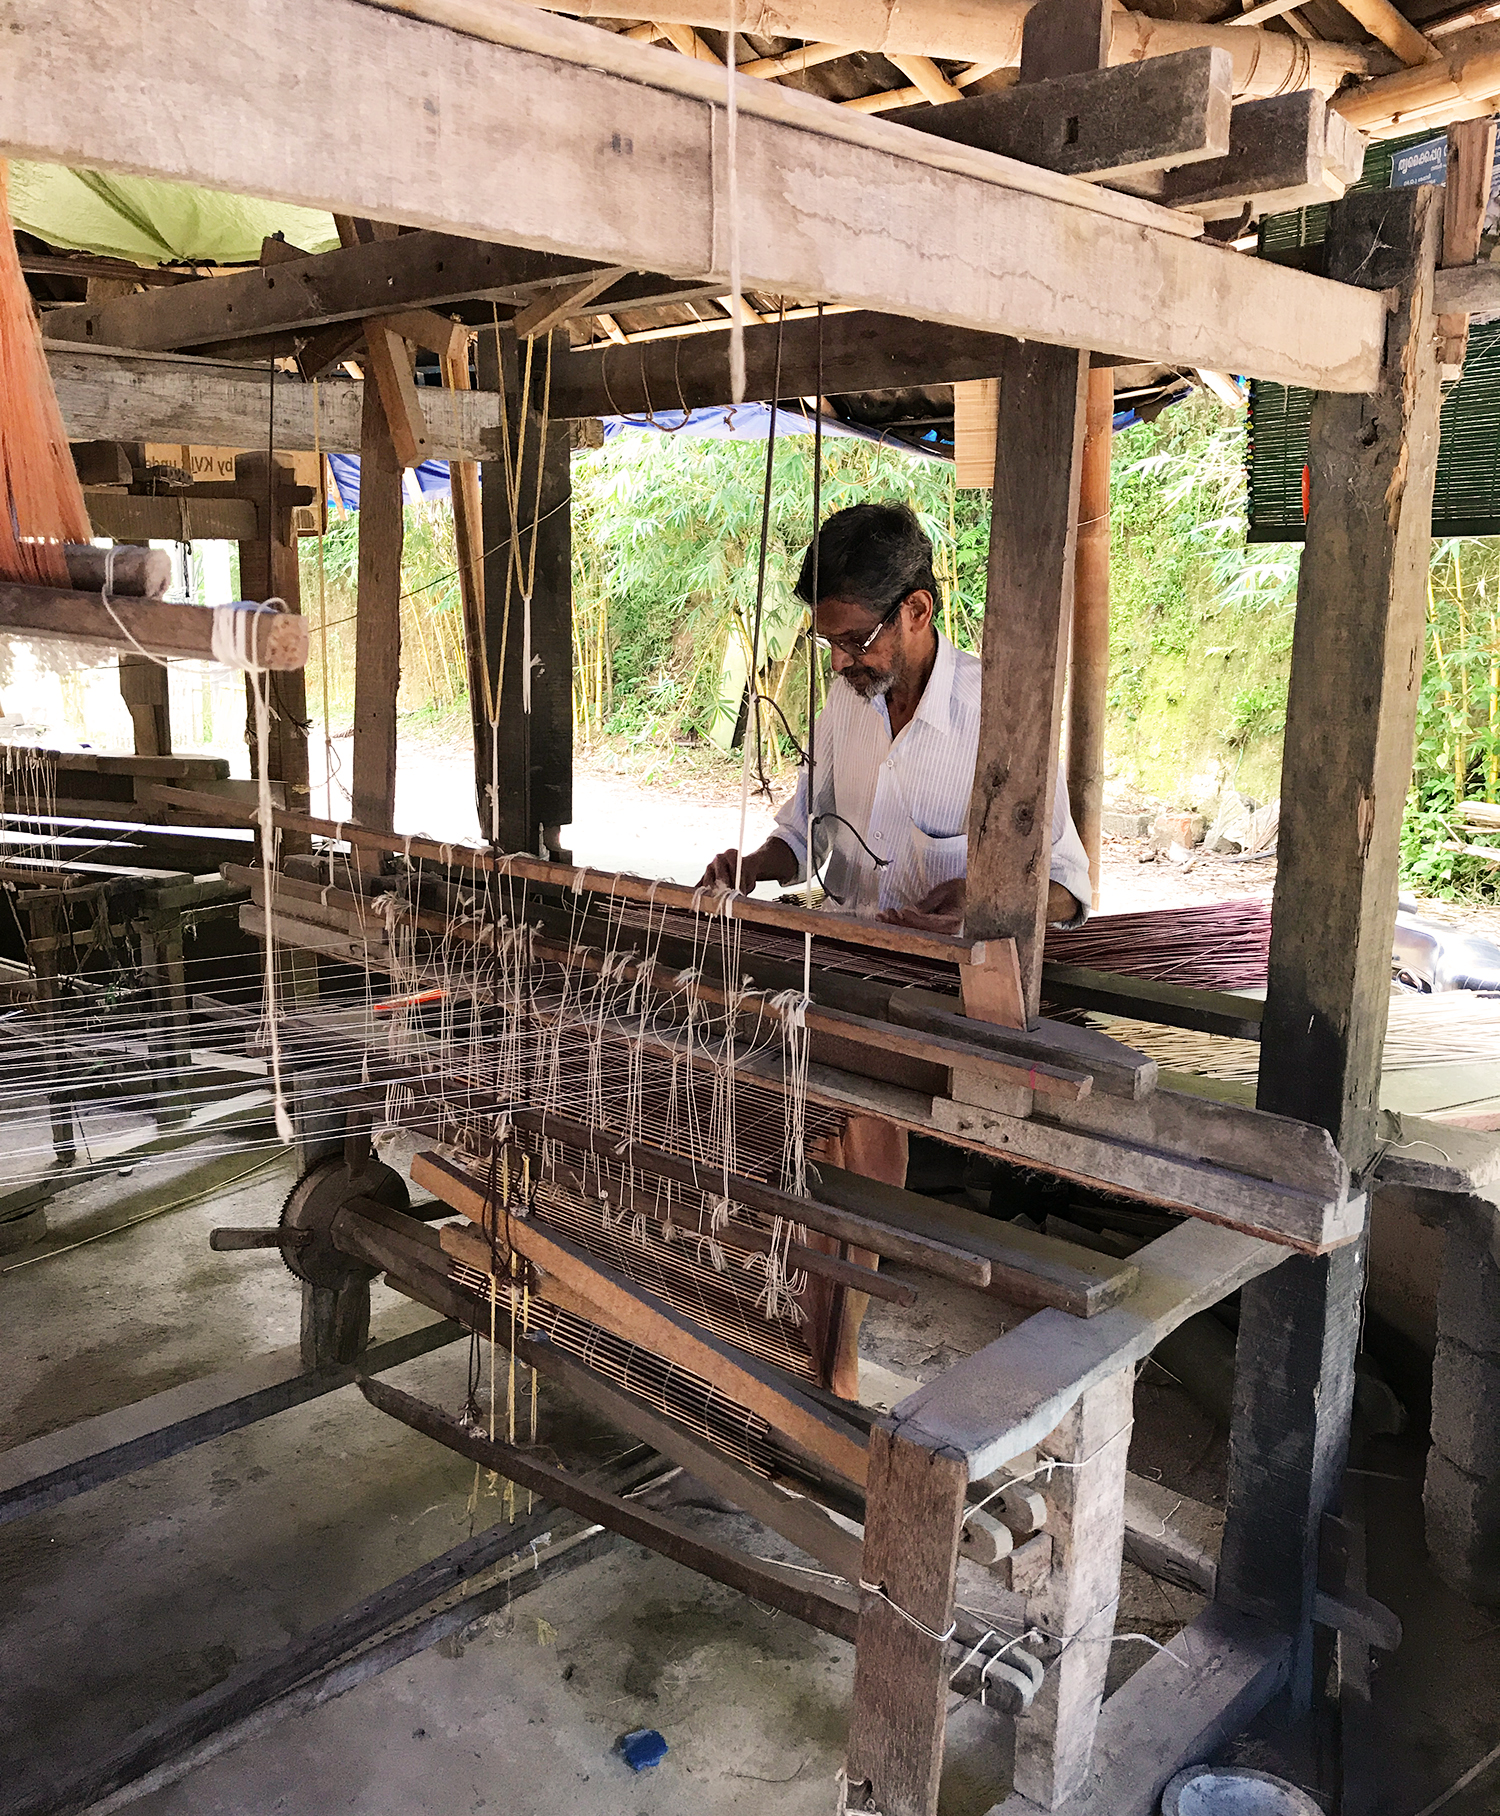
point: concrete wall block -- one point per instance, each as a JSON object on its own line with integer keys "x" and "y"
{"x": 1469, "y": 1299}
{"x": 1126, "y": 825}
{"x": 1463, "y": 1529}
{"x": 1466, "y": 1408}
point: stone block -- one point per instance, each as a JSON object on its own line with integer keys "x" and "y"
{"x": 1126, "y": 825}
{"x": 1466, "y": 1408}
{"x": 1463, "y": 1529}
{"x": 1469, "y": 1297}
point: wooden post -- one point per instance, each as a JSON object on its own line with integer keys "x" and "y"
{"x": 1351, "y": 714}
{"x": 1466, "y": 196}
{"x": 268, "y": 570}
{"x": 1076, "y": 1605}
{"x": 144, "y": 687}
{"x": 377, "y": 639}
{"x": 1038, "y": 446}
{"x": 1039, "y": 436}
{"x": 1088, "y": 672}
{"x": 169, "y": 1044}
{"x": 45, "y": 925}
{"x": 914, "y": 1506}
{"x": 528, "y": 753}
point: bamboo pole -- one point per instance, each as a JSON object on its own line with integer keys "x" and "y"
{"x": 1265, "y": 62}
{"x": 1464, "y": 77}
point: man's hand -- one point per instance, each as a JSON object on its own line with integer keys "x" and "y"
{"x": 941, "y": 910}
{"x": 721, "y": 871}
{"x": 774, "y": 861}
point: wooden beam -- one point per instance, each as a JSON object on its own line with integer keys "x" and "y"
{"x": 862, "y": 351}
{"x": 914, "y": 1506}
{"x": 1143, "y": 999}
{"x": 1472, "y": 289}
{"x": 1289, "y": 151}
{"x": 171, "y": 518}
{"x": 793, "y": 1593}
{"x": 1106, "y": 123}
{"x": 1041, "y": 257}
{"x": 468, "y": 541}
{"x": 1033, "y": 525}
{"x": 1351, "y": 713}
{"x": 1025, "y": 1268}
{"x": 551, "y": 309}
{"x": 114, "y": 397}
{"x": 377, "y": 634}
{"x": 390, "y": 364}
{"x": 165, "y": 629}
{"x": 439, "y": 334}
{"x": 1009, "y": 1395}
{"x": 1088, "y": 666}
{"x": 144, "y": 689}
{"x": 414, "y": 271}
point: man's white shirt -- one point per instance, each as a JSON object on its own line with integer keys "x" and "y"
{"x": 907, "y": 798}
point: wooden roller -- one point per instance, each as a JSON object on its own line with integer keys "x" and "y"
{"x": 157, "y": 626}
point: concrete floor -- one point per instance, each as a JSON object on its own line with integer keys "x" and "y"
{"x": 122, "y": 1603}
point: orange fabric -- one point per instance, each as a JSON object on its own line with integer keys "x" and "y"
{"x": 41, "y": 501}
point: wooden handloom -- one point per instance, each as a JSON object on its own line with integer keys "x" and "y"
{"x": 1030, "y": 268}
{"x": 586, "y": 1244}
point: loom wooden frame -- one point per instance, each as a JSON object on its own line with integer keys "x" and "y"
{"x": 1171, "y": 299}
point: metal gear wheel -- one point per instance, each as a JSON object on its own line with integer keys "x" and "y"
{"x": 317, "y": 1198}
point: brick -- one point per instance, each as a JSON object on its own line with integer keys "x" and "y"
{"x": 1463, "y": 1529}
{"x": 1466, "y": 1408}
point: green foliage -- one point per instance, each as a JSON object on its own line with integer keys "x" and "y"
{"x": 666, "y": 538}
{"x": 666, "y": 544}
{"x": 434, "y": 682}
{"x": 1458, "y": 717}
{"x": 1200, "y": 624}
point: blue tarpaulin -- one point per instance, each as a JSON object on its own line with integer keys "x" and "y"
{"x": 430, "y": 480}
{"x": 738, "y": 422}
{"x": 751, "y": 422}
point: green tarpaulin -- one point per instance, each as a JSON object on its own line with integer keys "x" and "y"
{"x": 150, "y": 222}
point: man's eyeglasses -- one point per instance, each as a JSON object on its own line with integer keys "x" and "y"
{"x": 856, "y": 646}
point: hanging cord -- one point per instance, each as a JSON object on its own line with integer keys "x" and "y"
{"x": 763, "y": 785}
{"x": 732, "y": 151}
{"x": 809, "y": 863}
{"x": 323, "y": 599}
{"x": 760, "y": 594}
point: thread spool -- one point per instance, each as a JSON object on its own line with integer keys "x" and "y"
{"x": 135, "y": 573}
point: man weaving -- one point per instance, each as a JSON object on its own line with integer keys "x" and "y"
{"x": 895, "y": 745}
